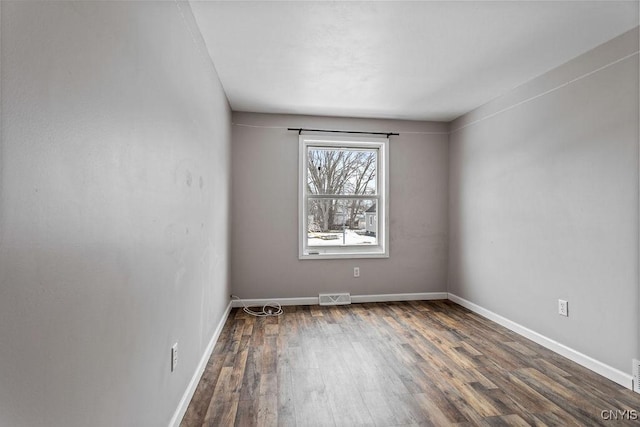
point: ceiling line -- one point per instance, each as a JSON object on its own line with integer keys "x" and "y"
{"x": 546, "y": 92}
{"x": 400, "y": 131}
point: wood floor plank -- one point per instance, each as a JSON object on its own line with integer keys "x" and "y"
{"x": 267, "y": 410}
{"x": 407, "y": 407}
{"x": 204, "y": 392}
{"x": 380, "y": 408}
{"x": 571, "y": 404}
{"x": 311, "y": 399}
{"x": 269, "y": 360}
{"x": 434, "y": 409}
{"x": 221, "y": 413}
{"x": 286, "y": 414}
{"x": 523, "y": 394}
{"x": 252, "y": 377}
{"x": 391, "y": 364}
{"x": 246, "y": 413}
{"x": 348, "y": 407}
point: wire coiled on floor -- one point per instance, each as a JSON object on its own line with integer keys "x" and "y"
{"x": 271, "y": 308}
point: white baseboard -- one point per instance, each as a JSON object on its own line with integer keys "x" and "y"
{"x": 598, "y": 367}
{"x": 259, "y": 302}
{"x": 399, "y": 297}
{"x": 354, "y": 299}
{"x": 191, "y": 388}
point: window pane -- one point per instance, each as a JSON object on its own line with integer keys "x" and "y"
{"x": 342, "y": 222}
{"x": 341, "y": 171}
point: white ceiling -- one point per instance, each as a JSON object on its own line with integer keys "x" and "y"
{"x": 431, "y": 60}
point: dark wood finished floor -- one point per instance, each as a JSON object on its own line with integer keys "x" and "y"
{"x": 388, "y": 364}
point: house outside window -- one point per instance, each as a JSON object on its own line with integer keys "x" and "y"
{"x": 343, "y": 203}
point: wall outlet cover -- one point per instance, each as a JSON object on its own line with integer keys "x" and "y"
{"x": 563, "y": 307}
{"x": 174, "y": 357}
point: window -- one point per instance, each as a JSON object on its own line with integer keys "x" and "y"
{"x": 343, "y": 205}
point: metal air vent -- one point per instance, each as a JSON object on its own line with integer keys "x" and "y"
{"x": 335, "y": 299}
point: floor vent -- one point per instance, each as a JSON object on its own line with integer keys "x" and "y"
{"x": 334, "y": 299}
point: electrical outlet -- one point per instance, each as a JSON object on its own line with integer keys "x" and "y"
{"x": 356, "y": 271}
{"x": 174, "y": 357}
{"x": 563, "y": 307}
{"x": 636, "y": 375}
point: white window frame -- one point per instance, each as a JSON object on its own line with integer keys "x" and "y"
{"x": 381, "y": 250}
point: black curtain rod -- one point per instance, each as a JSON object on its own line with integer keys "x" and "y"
{"x": 300, "y": 130}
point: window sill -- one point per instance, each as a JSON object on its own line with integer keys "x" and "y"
{"x": 342, "y": 255}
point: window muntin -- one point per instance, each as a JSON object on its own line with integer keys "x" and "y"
{"x": 343, "y": 184}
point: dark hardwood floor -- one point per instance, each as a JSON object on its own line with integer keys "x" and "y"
{"x": 388, "y": 364}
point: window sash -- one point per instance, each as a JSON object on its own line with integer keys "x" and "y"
{"x": 340, "y": 229}
{"x": 356, "y": 149}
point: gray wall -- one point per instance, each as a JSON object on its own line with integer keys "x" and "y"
{"x": 113, "y": 209}
{"x": 544, "y": 204}
{"x": 264, "y": 231}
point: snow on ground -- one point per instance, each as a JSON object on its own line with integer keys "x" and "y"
{"x": 350, "y": 238}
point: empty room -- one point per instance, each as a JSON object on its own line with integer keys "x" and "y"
{"x": 319, "y": 213}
